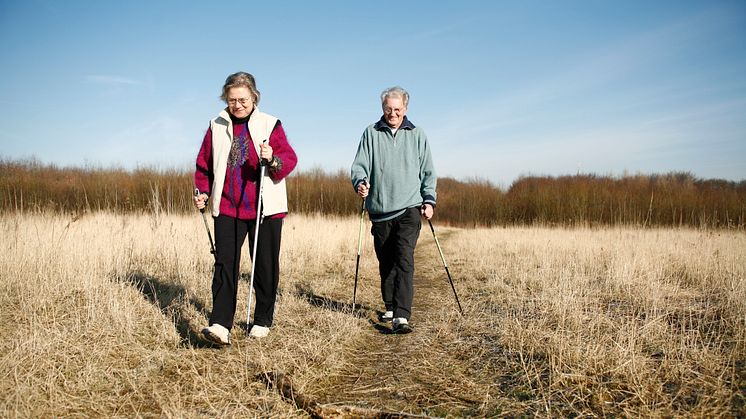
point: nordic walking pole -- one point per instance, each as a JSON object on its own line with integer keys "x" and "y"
{"x": 359, "y": 246}
{"x": 437, "y": 243}
{"x": 209, "y": 235}
{"x": 259, "y": 217}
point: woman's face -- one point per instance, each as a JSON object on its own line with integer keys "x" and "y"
{"x": 240, "y": 101}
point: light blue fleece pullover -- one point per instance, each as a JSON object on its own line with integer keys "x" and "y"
{"x": 398, "y": 168}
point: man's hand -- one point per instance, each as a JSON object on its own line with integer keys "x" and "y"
{"x": 427, "y": 211}
{"x": 362, "y": 189}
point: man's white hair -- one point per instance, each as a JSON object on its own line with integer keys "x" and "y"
{"x": 395, "y": 92}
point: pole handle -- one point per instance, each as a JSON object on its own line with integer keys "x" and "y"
{"x": 196, "y": 193}
{"x": 263, "y": 162}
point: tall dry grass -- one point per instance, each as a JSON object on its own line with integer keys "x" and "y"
{"x": 101, "y": 317}
{"x": 609, "y": 322}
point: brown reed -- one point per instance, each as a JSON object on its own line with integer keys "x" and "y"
{"x": 675, "y": 199}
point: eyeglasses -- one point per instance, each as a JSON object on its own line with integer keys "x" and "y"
{"x": 243, "y": 101}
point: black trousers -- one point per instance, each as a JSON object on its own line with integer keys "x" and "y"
{"x": 394, "y": 241}
{"x": 230, "y": 234}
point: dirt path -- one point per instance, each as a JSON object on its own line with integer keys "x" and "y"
{"x": 412, "y": 373}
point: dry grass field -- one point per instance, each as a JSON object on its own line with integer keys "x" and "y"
{"x": 101, "y": 316}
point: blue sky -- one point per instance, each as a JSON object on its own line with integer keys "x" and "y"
{"x": 502, "y": 88}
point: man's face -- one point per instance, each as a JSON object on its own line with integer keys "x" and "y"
{"x": 394, "y": 111}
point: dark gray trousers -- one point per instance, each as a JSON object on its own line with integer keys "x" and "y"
{"x": 394, "y": 241}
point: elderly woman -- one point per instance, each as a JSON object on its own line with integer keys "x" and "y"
{"x": 227, "y": 175}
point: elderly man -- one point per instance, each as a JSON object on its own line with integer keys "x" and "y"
{"x": 393, "y": 171}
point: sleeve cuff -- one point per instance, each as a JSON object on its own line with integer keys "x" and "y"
{"x": 275, "y": 169}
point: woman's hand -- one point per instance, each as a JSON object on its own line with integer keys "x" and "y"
{"x": 200, "y": 201}
{"x": 265, "y": 152}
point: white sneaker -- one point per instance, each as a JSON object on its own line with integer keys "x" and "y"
{"x": 400, "y": 320}
{"x": 401, "y": 326}
{"x": 259, "y": 331}
{"x": 387, "y": 316}
{"x": 217, "y": 334}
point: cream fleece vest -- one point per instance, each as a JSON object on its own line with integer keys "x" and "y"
{"x": 274, "y": 193}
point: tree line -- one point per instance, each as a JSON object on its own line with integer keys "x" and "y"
{"x": 676, "y": 199}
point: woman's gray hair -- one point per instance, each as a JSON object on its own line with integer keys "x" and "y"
{"x": 241, "y": 79}
{"x": 395, "y": 92}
